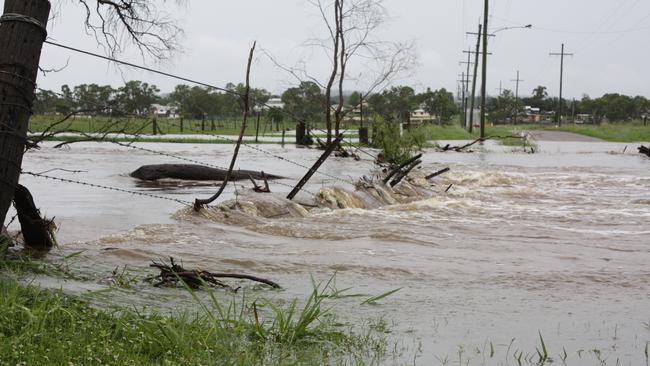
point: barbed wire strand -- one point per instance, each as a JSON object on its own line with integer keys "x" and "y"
{"x": 94, "y": 185}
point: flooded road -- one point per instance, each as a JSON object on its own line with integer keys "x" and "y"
{"x": 555, "y": 243}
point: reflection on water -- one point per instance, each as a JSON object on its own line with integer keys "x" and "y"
{"x": 555, "y": 242}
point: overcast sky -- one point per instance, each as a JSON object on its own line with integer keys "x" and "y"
{"x": 608, "y": 37}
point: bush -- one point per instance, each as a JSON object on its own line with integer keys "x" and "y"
{"x": 397, "y": 149}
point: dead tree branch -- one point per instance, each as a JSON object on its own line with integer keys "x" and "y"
{"x": 141, "y": 23}
{"x": 171, "y": 274}
{"x": 201, "y": 202}
{"x": 482, "y": 139}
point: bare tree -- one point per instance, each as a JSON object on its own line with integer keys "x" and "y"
{"x": 352, "y": 43}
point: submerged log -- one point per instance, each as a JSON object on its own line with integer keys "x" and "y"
{"x": 194, "y": 172}
{"x": 644, "y": 150}
{"x": 36, "y": 230}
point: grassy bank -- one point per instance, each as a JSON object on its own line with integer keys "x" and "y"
{"x": 620, "y": 132}
{"x": 623, "y": 132}
{"x": 49, "y": 328}
{"x": 39, "y": 123}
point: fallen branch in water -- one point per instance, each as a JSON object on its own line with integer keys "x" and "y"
{"x": 260, "y": 189}
{"x": 171, "y": 274}
{"x": 439, "y": 172}
{"x": 402, "y": 174}
{"x": 401, "y": 167}
{"x": 448, "y": 147}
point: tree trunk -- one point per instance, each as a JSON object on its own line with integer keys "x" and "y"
{"x": 21, "y": 40}
{"x": 335, "y": 69}
{"x": 35, "y": 229}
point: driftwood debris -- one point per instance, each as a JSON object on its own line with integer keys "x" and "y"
{"x": 342, "y": 152}
{"x": 403, "y": 173}
{"x": 401, "y": 167}
{"x": 463, "y": 147}
{"x": 644, "y": 150}
{"x": 483, "y": 139}
{"x": 37, "y": 231}
{"x": 194, "y": 172}
{"x": 260, "y": 189}
{"x": 439, "y": 172}
{"x": 171, "y": 274}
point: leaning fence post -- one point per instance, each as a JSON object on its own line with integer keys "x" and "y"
{"x": 257, "y": 128}
{"x": 314, "y": 169}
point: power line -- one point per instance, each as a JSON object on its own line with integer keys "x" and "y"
{"x": 145, "y": 68}
{"x": 163, "y": 73}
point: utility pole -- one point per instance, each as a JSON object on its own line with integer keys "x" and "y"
{"x": 464, "y": 81}
{"x": 468, "y": 62}
{"x": 518, "y": 80}
{"x": 22, "y": 32}
{"x": 473, "y": 98}
{"x": 573, "y": 111}
{"x": 484, "y": 78}
{"x": 500, "y": 88}
{"x": 561, "y": 54}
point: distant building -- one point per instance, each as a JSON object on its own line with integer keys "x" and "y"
{"x": 420, "y": 116}
{"x": 533, "y": 115}
{"x": 274, "y": 102}
{"x": 165, "y": 111}
{"x": 584, "y": 118}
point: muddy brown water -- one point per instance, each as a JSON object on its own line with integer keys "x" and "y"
{"x": 555, "y": 243}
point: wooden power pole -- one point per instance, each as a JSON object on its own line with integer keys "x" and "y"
{"x": 517, "y": 80}
{"x": 484, "y": 77}
{"x": 22, "y": 32}
{"x": 466, "y": 88}
{"x": 559, "y": 107}
{"x": 473, "y": 97}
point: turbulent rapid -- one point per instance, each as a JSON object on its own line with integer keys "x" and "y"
{"x": 553, "y": 243}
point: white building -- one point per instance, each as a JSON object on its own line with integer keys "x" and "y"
{"x": 275, "y": 102}
{"x": 165, "y": 111}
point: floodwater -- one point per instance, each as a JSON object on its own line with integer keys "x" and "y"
{"x": 554, "y": 243}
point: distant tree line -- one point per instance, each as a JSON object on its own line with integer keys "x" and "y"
{"x": 137, "y": 98}
{"x": 611, "y": 107}
{"x": 304, "y": 102}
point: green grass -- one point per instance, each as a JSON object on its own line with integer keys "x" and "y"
{"x": 39, "y": 123}
{"x": 40, "y": 327}
{"x": 620, "y": 132}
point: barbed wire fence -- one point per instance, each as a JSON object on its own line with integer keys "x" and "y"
{"x": 107, "y": 136}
